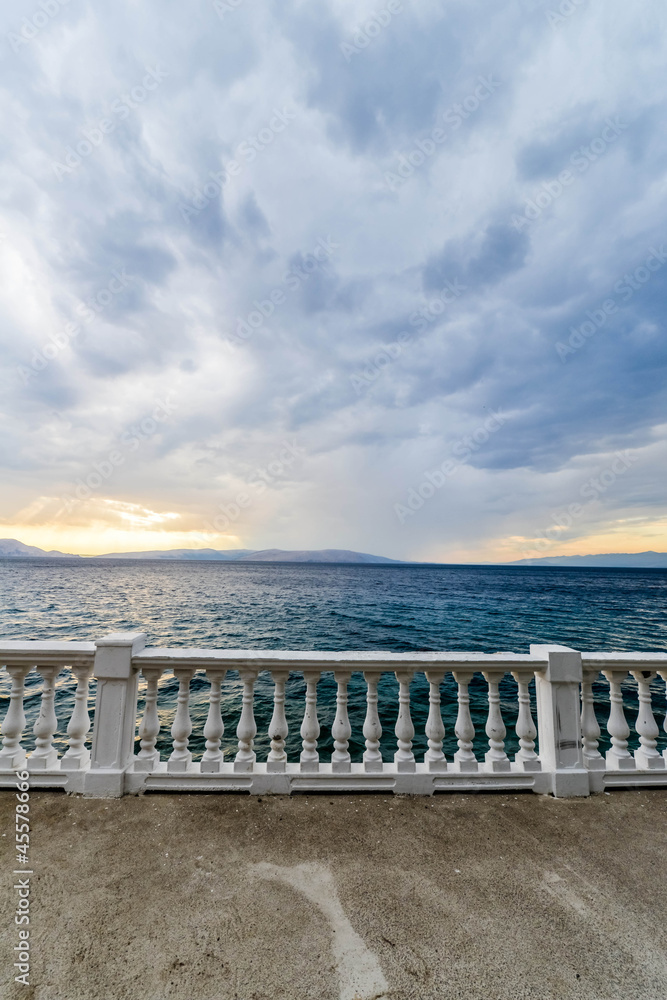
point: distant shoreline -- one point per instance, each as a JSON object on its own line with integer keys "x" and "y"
{"x": 404, "y": 564}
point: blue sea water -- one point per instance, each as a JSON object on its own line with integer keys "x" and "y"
{"x": 333, "y": 607}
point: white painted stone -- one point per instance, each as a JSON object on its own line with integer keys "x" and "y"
{"x": 77, "y": 756}
{"x": 434, "y": 758}
{"x": 278, "y": 729}
{"x": 247, "y": 727}
{"x": 45, "y": 756}
{"x": 646, "y": 755}
{"x": 181, "y": 757}
{"x": 496, "y": 760}
{"x": 115, "y": 713}
{"x": 618, "y": 757}
{"x": 149, "y": 729}
{"x": 214, "y": 729}
{"x": 310, "y": 727}
{"x": 372, "y": 726}
{"x": 341, "y": 729}
{"x": 404, "y": 759}
{"x": 525, "y": 759}
{"x": 558, "y": 690}
{"x": 590, "y": 728}
{"x": 12, "y": 755}
{"x": 464, "y": 758}
{"x": 567, "y": 730}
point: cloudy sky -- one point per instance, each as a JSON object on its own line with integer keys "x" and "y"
{"x": 369, "y": 275}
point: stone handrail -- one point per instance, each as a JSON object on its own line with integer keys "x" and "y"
{"x": 558, "y": 755}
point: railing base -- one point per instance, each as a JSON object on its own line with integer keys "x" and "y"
{"x": 260, "y": 781}
{"x": 102, "y": 783}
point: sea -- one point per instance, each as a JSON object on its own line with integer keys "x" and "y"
{"x": 300, "y": 606}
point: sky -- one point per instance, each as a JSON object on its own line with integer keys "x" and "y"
{"x": 386, "y": 276}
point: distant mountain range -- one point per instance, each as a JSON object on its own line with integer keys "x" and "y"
{"x": 259, "y": 555}
{"x": 612, "y": 560}
{"x": 11, "y": 548}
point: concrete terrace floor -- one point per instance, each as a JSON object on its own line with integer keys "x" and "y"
{"x": 218, "y": 897}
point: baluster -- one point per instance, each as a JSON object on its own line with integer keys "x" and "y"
{"x": 247, "y": 727}
{"x": 77, "y": 755}
{"x": 434, "y": 758}
{"x": 341, "y": 729}
{"x": 646, "y": 756}
{"x": 12, "y": 755}
{"x": 310, "y": 727}
{"x": 372, "y": 728}
{"x": 214, "y": 729}
{"x": 404, "y": 729}
{"x": 278, "y": 729}
{"x": 663, "y": 674}
{"x": 590, "y": 729}
{"x": 45, "y": 755}
{"x": 404, "y": 759}
{"x": 496, "y": 759}
{"x": 618, "y": 757}
{"x": 181, "y": 757}
{"x": 464, "y": 758}
{"x": 525, "y": 759}
{"x": 149, "y": 729}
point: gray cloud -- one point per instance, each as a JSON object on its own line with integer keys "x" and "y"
{"x": 300, "y": 139}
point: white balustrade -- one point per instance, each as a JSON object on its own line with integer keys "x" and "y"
{"x": 276, "y": 762}
{"x": 77, "y": 755}
{"x": 214, "y": 729}
{"x": 247, "y": 727}
{"x": 618, "y": 757}
{"x": 495, "y": 758}
{"x": 569, "y": 761}
{"x": 45, "y": 756}
{"x": 310, "y": 727}
{"x": 434, "y": 758}
{"x": 646, "y": 756}
{"x": 372, "y": 726}
{"x": 181, "y": 757}
{"x": 404, "y": 759}
{"x": 464, "y": 758}
{"x": 12, "y": 755}
{"x": 341, "y": 730}
{"x": 525, "y": 759}
{"x": 148, "y": 757}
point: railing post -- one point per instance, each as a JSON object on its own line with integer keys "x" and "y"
{"x": 559, "y": 720}
{"x": 115, "y": 713}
